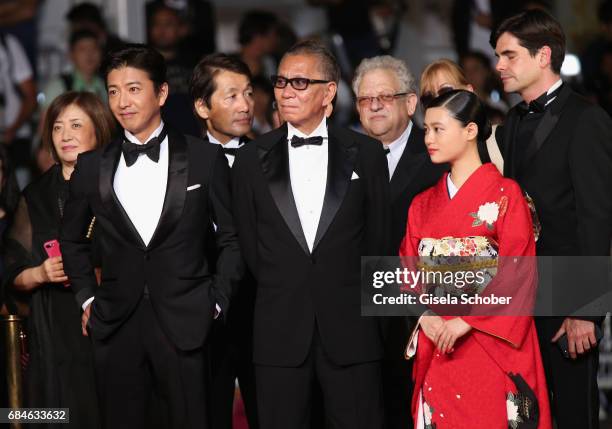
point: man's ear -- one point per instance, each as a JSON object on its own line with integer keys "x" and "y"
{"x": 544, "y": 56}
{"x": 330, "y": 92}
{"x": 162, "y": 94}
{"x": 201, "y": 109}
{"x": 411, "y": 103}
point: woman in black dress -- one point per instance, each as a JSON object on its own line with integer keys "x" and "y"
{"x": 60, "y": 371}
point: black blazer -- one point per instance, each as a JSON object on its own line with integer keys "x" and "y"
{"x": 414, "y": 173}
{"x": 568, "y": 173}
{"x": 174, "y": 266}
{"x": 294, "y": 286}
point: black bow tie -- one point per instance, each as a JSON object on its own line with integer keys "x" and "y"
{"x": 132, "y": 151}
{"x": 387, "y": 151}
{"x": 230, "y": 150}
{"x": 539, "y": 104}
{"x": 300, "y": 141}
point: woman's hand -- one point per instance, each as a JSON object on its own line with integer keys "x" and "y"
{"x": 431, "y": 325}
{"x": 51, "y": 271}
{"x": 449, "y": 333}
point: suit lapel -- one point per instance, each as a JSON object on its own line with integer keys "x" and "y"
{"x": 547, "y": 124}
{"x": 176, "y": 188}
{"x": 340, "y": 166}
{"x": 108, "y": 165}
{"x": 409, "y": 164}
{"x": 274, "y": 159}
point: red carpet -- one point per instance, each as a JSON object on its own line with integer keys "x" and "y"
{"x": 240, "y": 421}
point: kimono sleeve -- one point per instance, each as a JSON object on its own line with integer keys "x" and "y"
{"x": 517, "y": 271}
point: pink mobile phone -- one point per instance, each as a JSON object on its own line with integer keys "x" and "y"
{"x": 52, "y": 247}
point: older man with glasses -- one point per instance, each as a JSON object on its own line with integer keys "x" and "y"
{"x": 386, "y": 102}
{"x": 310, "y": 199}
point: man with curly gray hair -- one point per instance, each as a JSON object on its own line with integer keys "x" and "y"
{"x": 386, "y": 101}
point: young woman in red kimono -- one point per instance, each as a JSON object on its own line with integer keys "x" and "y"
{"x": 463, "y": 365}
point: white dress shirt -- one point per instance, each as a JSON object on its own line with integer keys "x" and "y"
{"x": 397, "y": 149}
{"x": 233, "y": 143}
{"x": 308, "y": 173}
{"x": 141, "y": 188}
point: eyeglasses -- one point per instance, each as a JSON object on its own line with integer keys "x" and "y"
{"x": 366, "y": 101}
{"x": 299, "y": 83}
{"x": 430, "y": 96}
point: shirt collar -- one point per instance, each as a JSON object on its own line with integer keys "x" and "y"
{"x": 397, "y": 146}
{"x": 233, "y": 143}
{"x": 321, "y": 130}
{"x": 155, "y": 133}
{"x": 556, "y": 85}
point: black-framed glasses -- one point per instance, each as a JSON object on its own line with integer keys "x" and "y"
{"x": 366, "y": 101}
{"x": 430, "y": 96}
{"x": 299, "y": 83}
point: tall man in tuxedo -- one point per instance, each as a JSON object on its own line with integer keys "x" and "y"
{"x": 223, "y": 99}
{"x": 386, "y": 102}
{"x": 154, "y": 204}
{"x": 310, "y": 199}
{"x": 558, "y": 146}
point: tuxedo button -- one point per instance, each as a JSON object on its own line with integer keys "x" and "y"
{"x": 146, "y": 256}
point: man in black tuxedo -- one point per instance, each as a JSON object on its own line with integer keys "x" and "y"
{"x": 386, "y": 102}
{"x": 558, "y": 146}
{"x": 223, "y": 99}
{"x": 310, "y": 199}
{"x": 153, "y": 204}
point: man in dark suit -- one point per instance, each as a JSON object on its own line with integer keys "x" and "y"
{"x": 153, "y": 205}
{"x": 558, "y": 146}
{"x": 310, "y": 199}
{"x": 223, "y": 99}
{"x": 386, "y": 102}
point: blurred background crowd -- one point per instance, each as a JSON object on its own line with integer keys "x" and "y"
{"x": 48, "y": 47}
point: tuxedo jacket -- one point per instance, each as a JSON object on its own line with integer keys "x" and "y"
{"x": 414, "y": 173}
{"x": 174, "y": 266}
{"x": 299, "y": 291}
{"x": 238, "y": 326}
{"x": 567, "y": 170}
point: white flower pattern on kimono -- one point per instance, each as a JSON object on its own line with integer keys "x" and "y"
{"x": 487, "y": 214}
{"x": 427, "y": 416}
{"x": 512, "y": 410}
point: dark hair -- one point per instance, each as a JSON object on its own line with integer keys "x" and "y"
{"x": 101, "y": 117}
{"x": 478, "y": 56}
{"x": 9, "y": 188}
{"x": 77, "y": 36}
{"x": 255, "y": 23}
{"x": 466, "y": 107}
{"x": 328, "y": 64}
{"x": 604, "y": 13}
{"x": 535, "y": 29}
{"x": 202, "y": 84}
{"x": 138, "y": 56}
{"x": 86, "y": 12}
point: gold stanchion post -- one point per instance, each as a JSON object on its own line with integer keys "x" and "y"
{"x": 12, "y": 328}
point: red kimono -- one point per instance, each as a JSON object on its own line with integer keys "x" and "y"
{"x": 470, "y": 387}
